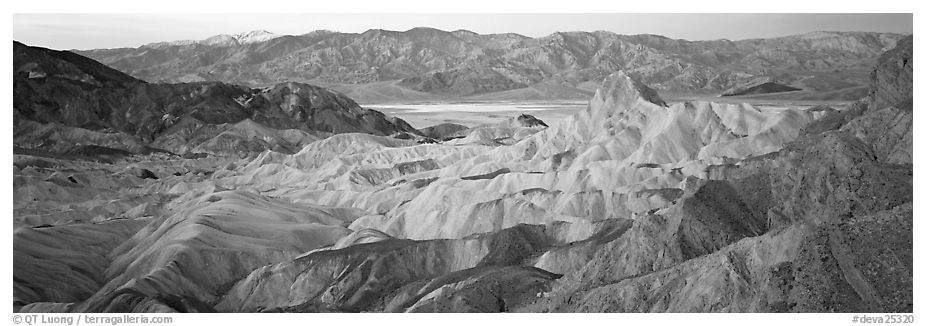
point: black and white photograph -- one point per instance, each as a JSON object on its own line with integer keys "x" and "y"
{"x": 461, "y": 162}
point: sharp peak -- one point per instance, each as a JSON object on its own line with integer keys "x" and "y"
{"x": 621, "y": 86}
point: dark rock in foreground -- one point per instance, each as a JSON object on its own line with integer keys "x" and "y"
{"x": 60, "y": 87}
{"x": 764, "y": 88}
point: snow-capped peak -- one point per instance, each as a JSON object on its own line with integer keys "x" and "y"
{"x": 255, "y": 36}
{"x": 225, "y": 39}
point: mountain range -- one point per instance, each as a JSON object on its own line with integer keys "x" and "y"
{"x": 431, "y": 64}
{"x": 224, "y": 39}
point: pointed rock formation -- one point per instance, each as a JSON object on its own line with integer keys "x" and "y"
{"x": 826, "y": 198}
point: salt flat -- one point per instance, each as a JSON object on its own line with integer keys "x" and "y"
{"x": 422, "y": 115}
{"x": 425, "y": 114}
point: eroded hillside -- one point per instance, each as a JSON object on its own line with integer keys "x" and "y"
{"x": 631, "y": 205}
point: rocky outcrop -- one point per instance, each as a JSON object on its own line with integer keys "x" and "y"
{"x": 109, "y": 108}
{"x": 887, "y": 124}
{"x": 480, "y": 290}
{"x": 839, "y": 216}
{"x": 317, "y": 109}
{"x": 528, "y": 121}
{"x": 764, "y": 88}
{"x": 709, "y": 217}
{"x": 444, "y": 131}
{"x": 358, "y": 277}
{"x": 892, "y": 78}
{"x": 889, "y": 131}
{"x": 884, "y": 120}
{"x": 801, "y": 268}
{"x": 825, "y": 199}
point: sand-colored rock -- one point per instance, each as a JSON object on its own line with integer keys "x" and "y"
{"x": 65, "y": 263}
{"x": 355, "y": 278}
{"x": 797, "y": 269}
{"x": 480, "y": 290}
{"x": 624, "y": 143}
{"x": 631, "y": 205}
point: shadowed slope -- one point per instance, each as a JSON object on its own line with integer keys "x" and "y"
{"x": 67, "y": 89}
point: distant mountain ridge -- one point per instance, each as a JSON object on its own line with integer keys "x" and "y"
{"x": 222, "y": 39}
{"x": 462, "y": 63}
{"x": 105, "y": 105}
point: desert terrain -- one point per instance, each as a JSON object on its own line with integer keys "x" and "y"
{"x": 580, "y": 172}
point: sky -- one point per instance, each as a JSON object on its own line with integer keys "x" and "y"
{"x": 113, "y": 30}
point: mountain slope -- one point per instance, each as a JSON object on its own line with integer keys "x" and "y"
{"x": 838, "y": 201}
{"x": 461, "y": 63}
{"x": 65, "y": 88}
{"x": 763, "y": 88}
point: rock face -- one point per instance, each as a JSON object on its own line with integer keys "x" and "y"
{"x": 444, "y": 64}
{"x": 887, "y": 122}
{"x": 114, "y": 110}
{"x": 527, "y": 120}
{"x": 764, "y": 88}
{"x": 884, "y": 120}
{"x": 444, "y": 130}
{"x": 892, "y": 79}
{"x": 631, "y": 205}
{"x": 358, "y": 277}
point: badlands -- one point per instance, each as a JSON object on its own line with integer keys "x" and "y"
{"x": 210, "y": 197}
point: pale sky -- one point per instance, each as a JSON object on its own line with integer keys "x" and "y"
{"x": 90, "y": 31}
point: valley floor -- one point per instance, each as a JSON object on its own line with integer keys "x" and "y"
{"x": 471, "y": 114}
